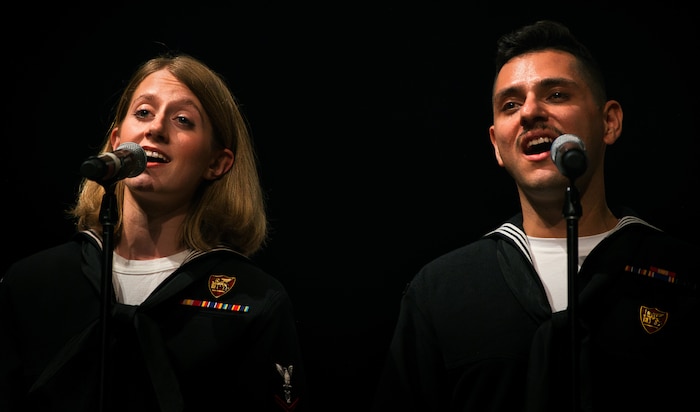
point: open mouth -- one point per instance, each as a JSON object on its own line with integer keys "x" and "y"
{"x": 156, "y": 157}
{"x": 538, "y": 145}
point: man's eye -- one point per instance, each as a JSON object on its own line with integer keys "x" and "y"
{"x": 509, "y": 106}
{"x": 558, "y": 96}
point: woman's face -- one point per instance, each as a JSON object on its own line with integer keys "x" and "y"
{"x": 169, "y": 122}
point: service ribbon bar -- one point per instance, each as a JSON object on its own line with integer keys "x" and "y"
{"x": 215, "y": 305}
{"x": 654, "y": 272}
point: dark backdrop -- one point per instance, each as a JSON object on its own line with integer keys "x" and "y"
{"x": 371, "y": 127}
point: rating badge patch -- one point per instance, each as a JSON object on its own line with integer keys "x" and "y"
{"x": 652, "y": 319}
{"x": 220, "y": 285}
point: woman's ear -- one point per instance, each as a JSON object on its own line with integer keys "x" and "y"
{"x": 114, "y": 138}
{"x": 220, "y": 164}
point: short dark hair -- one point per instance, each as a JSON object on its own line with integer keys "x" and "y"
{"x": 548, "y": 34}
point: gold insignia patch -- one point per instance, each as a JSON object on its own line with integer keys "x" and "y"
{"x": 652, "y": 319}
{"x": 220, "y": 285}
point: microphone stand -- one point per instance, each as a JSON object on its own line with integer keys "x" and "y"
{"x": 572, "y": 211}
{"x": 108, "y": 217}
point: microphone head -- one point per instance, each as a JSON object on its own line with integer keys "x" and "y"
{"x": 140, "y": 158}
{"x": 569, "y": 155}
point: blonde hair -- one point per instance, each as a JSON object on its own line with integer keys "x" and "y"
{"x": 228, "y": 211}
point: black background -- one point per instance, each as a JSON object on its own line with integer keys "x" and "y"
{"x": 371, "y": 125}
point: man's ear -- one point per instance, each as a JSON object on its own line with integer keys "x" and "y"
{"x": 613, "y": 121}
{"x": 220, "y": 164}
{"x": 495, "y": 146}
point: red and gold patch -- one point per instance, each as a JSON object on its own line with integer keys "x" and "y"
{"x": 652, "y": 319}
{"x": 220, "y": 285}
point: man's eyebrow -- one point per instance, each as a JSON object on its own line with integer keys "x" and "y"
{"x": 556, "y": 81}
{"x": 546, "y": 82}
{"x": 505, "y": 92}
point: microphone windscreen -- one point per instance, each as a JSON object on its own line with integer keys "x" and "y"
{"x": 569, "y": 155}
{"x": 139, "y": 157}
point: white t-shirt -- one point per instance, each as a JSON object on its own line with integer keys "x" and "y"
{"x": 134, "y": 280}
{"x": 551, "y": 262}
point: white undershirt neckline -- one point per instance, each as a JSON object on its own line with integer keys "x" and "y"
{"x": 134, "y": 280}
{"x": 550, "y": 259}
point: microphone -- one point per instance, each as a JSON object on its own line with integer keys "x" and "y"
{"x": 569, "y": 154}
{"x": 128, "y": 160}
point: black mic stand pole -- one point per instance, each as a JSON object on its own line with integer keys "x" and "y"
{"x": 108, "y": 217}
{"x": 572, "y": 211}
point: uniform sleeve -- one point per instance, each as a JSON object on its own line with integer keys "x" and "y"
{"x": 413, "y": 373}
{"x": 286, "y": 367}
{"x": 10, "y": 375}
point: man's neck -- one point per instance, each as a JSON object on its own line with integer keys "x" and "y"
{"x": 548, "y": 221}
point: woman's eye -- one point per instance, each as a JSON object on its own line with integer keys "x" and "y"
{"x": 141, "y": 113}
{"x": 183, "y": 121}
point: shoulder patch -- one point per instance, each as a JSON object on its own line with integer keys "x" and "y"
{"x": 220, "y": 285}
{"x": 652, "y": 319}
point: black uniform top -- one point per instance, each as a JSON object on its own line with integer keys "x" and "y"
{"x": 476, "y": 332}
{"x": 218, "y": 334}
